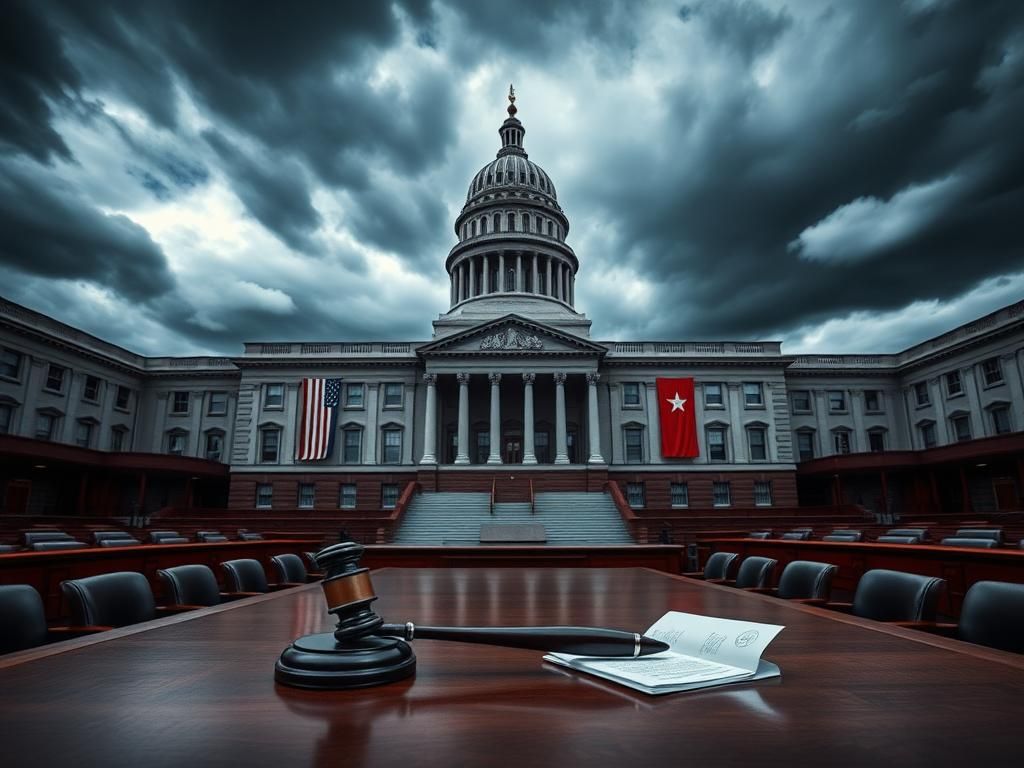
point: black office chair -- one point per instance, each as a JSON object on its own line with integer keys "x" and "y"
{"x": 98, "y": 537}
{"x": 6, "y": 549}
{"x": 158, "y": 537}
{"x": 210, "y": 536}
{"x": 993, "y": 615}
{"x": 22, "y": 619}
{"x": 797, "y": 535}
{"x": 957, "y": 541}
{"x": 896, "y": 597}
{"x": 887, "y": 539}
{"x": 920, "y": 533}
{"x": 119, "y": 542}
{"x": 109, "y": 600}
{"x": 841, "y": 534}
{"x": 290, "y": 570}
{"x": 806, "y": 581}
{"x": 759, "y": 535}
{"x": 716, "y": 568}
{"x": 996, "y": 534}
{"x": 48, "y": 546}
{"x": 32, "y": 537}
{"x": 245, "y": 576}
{"x": 192, "y": 586}
{"x": 755, "y": 573}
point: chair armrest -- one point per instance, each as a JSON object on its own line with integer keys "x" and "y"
{"x": 66, "y": 633}
{"x": 694, "y": 574}
{"x": 843, "y": 607}
{"x": 170, "y": 609}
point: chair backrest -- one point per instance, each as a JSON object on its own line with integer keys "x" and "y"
{"x": 31, "y": 537}
{"x": 157, "y": 536}
{"x": 805, "y": 579}
{"x": 847, "y": 532}
{"x": 119, "y": 542}
{"x": 960, "y": 541}
{"x": 8, "y": 548}
{"x": 190, "y": 585}
{"x": 993, "y": 615}
{"x": 212, "y": 537}
{"x": 759, "y": 535}
{"x": 289, "y": 567}
{"x": 897, "y": 596}
{"x": 173, "y": 540}
{"x": 887, "y": 539}
{"x": 250, "y": 536}
{"x": 755, "y": 572}
{"x": 718, "y": 565}
{"x": 101, "y": 536}
{"x": 920, "y": 533}
{"x": 46, "y": 546}
{"x": 996, "y": 534}
{"x": 848, "y": 537}
{"x": 110, "y": 599}
{"x": 200, "y": 534}
{"x": 245, "y": 575}
{"x": 22, "y": 618}
{"x": 796, "y": 535}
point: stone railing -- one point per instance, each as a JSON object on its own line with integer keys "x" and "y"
{"x": 692, "y": 348}
{"x": 332, "y": 349}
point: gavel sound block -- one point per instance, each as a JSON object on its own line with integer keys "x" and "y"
{"x": 364, "y": 651}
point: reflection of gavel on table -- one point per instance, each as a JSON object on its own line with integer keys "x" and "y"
{"x": 364, "y": 651}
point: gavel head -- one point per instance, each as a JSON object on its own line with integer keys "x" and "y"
{"x": 348, "y": 590}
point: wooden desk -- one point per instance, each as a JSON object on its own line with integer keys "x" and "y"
{"x": 198, "y": 689}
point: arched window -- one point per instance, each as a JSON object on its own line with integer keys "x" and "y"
{"x": 351, "y": 443}
{"x": 489, "y": 179}
{"x": 841, "y": 442}
{"x": 511, "y": 222}
{"x": 526, "y": 222}
{"x": 633, "y": 442}
{"x": 551, "y": 229}
{"x": 716, "y": 436}
{"x": 537, "y": 220}
{"x": 757, "y": 441}
{"x": 533, "y": 178}
{"x": 391, "y": 444}
{"x": 177, "y": 442}
{"x": 497, "y": 222}
{"x": 476, "y": 227}
{"x": 805, "y": 444}
{"x": 214, "y": 447}
{"x": 510, "y": 279}
{"x": 483, "y": 225}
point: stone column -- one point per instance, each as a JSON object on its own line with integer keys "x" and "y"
{"x": 495, "y": 441}
{"x": 520, "y": 277}
{"x": 549, "y": 288}
{"x": 971, "y": 386}
{"x": 462, "y": 457}
{"x": 472, "y": 277}
{"x": 529, "y": 457}
{"x": 593, "y": 425}
{"x": 859, "y": 443}
{"x": 430, "y": 421}
{"x": 486, "y": 287}
{"x": 943, "y": 436}
{"x": 739, "y": 435}
{"x": 501, "y": 271}
{"x": 561, "y": 449}
{"x": 534, "y": 264}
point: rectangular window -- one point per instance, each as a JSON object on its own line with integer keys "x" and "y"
{"x": 758, "y": 444}
{"x": 218, "y": 405}
{"x": 1001, "y": 420}
{"x": 872, "y": 401}
{"x": 352, "y": 449}
{"x": 393, "y": 395}
{"x": 961, "y": 428}
{"x": 537, "y": 221}
{"x": 634, "y": 445}
{"x": 836, "y": 401}
{"x": 10, "y": 363}
{"x": 631, "y": 394}
{"x": 91, "y": 390}
{"x": 388, "y": 495}
{"x": 391, "y": 453}
{"x": 921, "y": 394}
{"x": 273, "y": 396}
{"x": 762, "y": 493}
{"x": 179, "y": 403}
{"x": 636, "y": 495}
{"x": 721, "y": 494}
{"x": 6, "y": 417}
{"x": 510, "y": 223}
{"x": 307, "y": 495}
{"x": 347, "y": 496}
{"x": 716, "y": 444}
{"x": 55, "y": 378}
{"x": 954, "y": 386}
{"x": 264, "y": 496}
{"x": 680, "y": 494}
{"x": 927, "y": 434}
{"x": 117, "y": 439}
{"x": 992, "y": 371}
{"x": 214, "y": 445}
{"x": 45, "y": 423}
{"x": 123, "y": 398}
{"x": 805, "y": 445}
{"x": 876, "y": 441}
{"x": 176, "y": 443}
{"x": 83, "y": 434}
{"x": 841, "y": 441}
{"x": 483, "y": 446}
{"x": 542, "y": 447}
{"x": 713, "y": 395}
{"x": 801, "y": 399}
{"x": 752, "y": 395}
{"x": 353, "y": 395}
{"x": 270, "y": 440}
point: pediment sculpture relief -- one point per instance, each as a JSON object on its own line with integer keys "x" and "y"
{"x": 511, "y": 338}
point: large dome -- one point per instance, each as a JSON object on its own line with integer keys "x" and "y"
{"x": 513, "y": 173}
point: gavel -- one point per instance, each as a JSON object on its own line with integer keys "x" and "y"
{"x": 363, "y": 651}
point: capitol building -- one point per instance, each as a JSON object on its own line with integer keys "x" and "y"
{"x": 510, "y": 395}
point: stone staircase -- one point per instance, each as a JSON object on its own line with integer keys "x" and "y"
{"x": 568, "y": 518}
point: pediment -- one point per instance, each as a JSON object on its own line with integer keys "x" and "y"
{"x": 512, "y": 335}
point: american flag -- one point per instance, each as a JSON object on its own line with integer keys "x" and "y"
{"x": 319, "y": 414}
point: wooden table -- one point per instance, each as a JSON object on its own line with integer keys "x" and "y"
{"x": 198, "y": 689}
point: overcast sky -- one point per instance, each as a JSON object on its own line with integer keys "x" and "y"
{"x": 180, "y": 177}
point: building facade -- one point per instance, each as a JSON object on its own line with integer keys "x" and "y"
{"x": 511, "y": 394}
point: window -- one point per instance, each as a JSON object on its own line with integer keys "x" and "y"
{"x": 634, "y": 445}
{"x": 10, "y": 363}
{"x": 836, "y": 401}
{"x": 270, "y": 442}
{"x": 393, "y": 395}
{"x": 273, "y": 396}
{"x": 264, "y": 496}
{"x": 680, "y": 494}
{"x": 762, "y": 493}
{"x": 542, "y": 446}
{"x": 921, "y": 393}
{"x": 214, "y": 446}
{"x": 347, "y": 496}
{"x": 6, "y": 417}
{"x": 117, "y": 435}
{"x": 961, "y": 427}
{"x": 954, "y": 386}
{"x": 45, "y": 425}
{"x": 526, "y": 222}
{"x": 176, "y": 443}
{"x": 927, "y": 430}
{"x": 551, "y": 229}
{"x": 1001, "y": 419}
{"x": 992, "y": 371}
{"x": 483, "y": 226}
{"x": 841, "y": 441}
{"x": 631, "y": 394}
{"x": 537, "y": 221}
{"x": 805, "y": 445}
{"x": 83, "y": 434}
{"x": 353, "y": 395}
{"x": 716, "y": 444}
{"x": 483, "y": 446}
{"x": 876, "y": 440}
{"x": 218, "y": 405}
{"x": 872, "y": 400}
{"x": 123, "y": 398}
{"x": 352, "y": 445}
{"x": 721, "y": 494}
{"x": 391, "y": 450}
{"x": 55, "y": 378}
{"x": 713, "y": 395}
{"x": 307, "y": 495}
{"x": 91, "y": 390}
{"x": 636, "y": 495}
{"x": 752, "y": 396}
{"x": 801, "y": 400}
{"x": 388, "y": 495}
{"x": 510, "y": 222}
{"x": 179, "y": 404}
{"x": 758, "y": 443}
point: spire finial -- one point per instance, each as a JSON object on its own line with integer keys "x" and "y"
{"x": 512, "y": 101}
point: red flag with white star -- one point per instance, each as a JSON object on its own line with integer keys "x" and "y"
{"x": 677, "y": 416}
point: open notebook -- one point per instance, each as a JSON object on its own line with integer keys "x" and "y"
{"x": 704, "y": 651}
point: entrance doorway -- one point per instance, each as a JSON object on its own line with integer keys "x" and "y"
{"x": 512, "y": 448}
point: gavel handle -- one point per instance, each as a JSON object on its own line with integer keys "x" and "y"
{"x": 581, "y": 641}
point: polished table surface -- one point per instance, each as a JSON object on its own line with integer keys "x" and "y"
{"x": 198, "y": 689}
